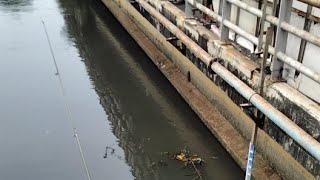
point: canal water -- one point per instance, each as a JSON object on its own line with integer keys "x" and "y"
{"x": 127, "y": 115}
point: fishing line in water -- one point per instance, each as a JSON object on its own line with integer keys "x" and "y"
{"x": 67, "y": 107}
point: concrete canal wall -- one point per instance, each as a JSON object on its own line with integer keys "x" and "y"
{"x": 217, "y": 102}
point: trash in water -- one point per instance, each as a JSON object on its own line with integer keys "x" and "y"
{"x": 109, "y": 150}
{"x": 188, "y": 159}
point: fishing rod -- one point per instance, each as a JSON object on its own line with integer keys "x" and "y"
{"x": 67, "y": 107}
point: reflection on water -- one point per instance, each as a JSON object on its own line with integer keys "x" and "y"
{"x": 15, "y": 5}
{"x": 126, "y": 113}
{"x": 145, "y": 113}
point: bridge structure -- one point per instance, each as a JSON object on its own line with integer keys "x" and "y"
{"x": 250, "y": 72}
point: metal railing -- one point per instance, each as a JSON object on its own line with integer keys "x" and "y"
{"x": 288, "y": 126}
{"x": 315, "y": 3}
{"x": 283, "y": 28}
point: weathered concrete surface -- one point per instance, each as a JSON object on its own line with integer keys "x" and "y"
{"x": 301, "y": 110}
{"x": 283, "y": 162}
{"x": 219, "y": 126}
{"x": 305, "y": 115}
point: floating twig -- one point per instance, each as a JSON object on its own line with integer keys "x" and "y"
{"x": 196, "y": 169}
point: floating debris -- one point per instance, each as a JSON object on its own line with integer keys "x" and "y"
{"x": 109, "y": 150}
{"x": 188, "y": 159}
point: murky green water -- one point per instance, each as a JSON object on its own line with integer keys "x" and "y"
{"x": 126, "y": 113}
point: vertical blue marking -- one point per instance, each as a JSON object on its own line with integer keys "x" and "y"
{"x": 250, "y": 161}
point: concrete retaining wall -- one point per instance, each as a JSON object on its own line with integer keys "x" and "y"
{"x": 246, "y": 70}
{"x": 288, "y": 100}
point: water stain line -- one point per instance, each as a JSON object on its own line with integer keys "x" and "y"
{"x": 67, "y": 106}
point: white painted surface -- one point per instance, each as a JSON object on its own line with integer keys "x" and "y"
{"x": 312, "y": 54}
{"x": 311, "y": 58}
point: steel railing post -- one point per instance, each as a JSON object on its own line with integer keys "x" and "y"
{"x": 262, "y": 24}
{"x": 226, "y": 11}
{"x": 238, "y": 9}
{"x": 220, "y": 7}
{"x": 188, "y": 10}
{"x": 281, "y": 39}
{"x": 306, "y": 27}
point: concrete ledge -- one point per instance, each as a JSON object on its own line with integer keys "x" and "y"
{"x": 224, "y": 109}
{"x": 293, "y": 104}
{"x": 235, "y": 144}
{"x": 304, "y": 113}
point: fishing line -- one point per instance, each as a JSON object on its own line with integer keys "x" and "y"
{"x": 67, "y": 107}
